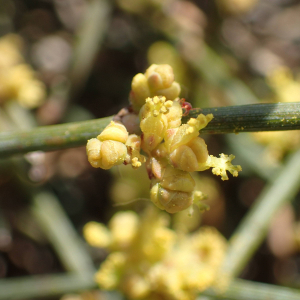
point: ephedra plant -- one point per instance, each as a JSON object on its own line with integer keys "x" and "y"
{"x": 148, "y": 259}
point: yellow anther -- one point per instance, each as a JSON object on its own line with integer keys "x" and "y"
{"x": 169, "y": 103}
{"x": 156, "y": 113}
{"x": 163, "y": 110}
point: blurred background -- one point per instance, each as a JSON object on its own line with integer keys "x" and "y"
{"x": 73, "y": 60}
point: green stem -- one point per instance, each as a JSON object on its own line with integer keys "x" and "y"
{"x": 231, "y": 119}
{"x": 251, "y": 118}
{"x": 52, "y": 137}
{"x": 246, "y": 290}
{"x": 252, "y": 230}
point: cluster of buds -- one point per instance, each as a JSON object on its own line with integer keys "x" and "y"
{"x": 173, "y": 149}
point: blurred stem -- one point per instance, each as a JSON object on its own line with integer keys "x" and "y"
{"x": 53, "y": 285}
{"x": 61, "y": 234}
{"x": 248, "y": 290}
{"x": 43, "y": 286}
{"x": 252, "y": 230}
{"x": 231, "y": 119}
{"x": 253, "y": 156}
{"x": 88, "y": 41}
{"x": 20, "y": 117}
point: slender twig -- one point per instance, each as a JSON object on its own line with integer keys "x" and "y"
{"x": 253, "y": 156}
{"x": 252, "y": 230}
{"x": 231, "y": 119}
{"x": 88, "y": 40}
{"x": 40, "y": 286}
{"x": 53, "y": 285}
{"x": 247, "y": 290}
{"x": 49, "y": 138}
{"x": 251, "y": 118}
{"x": 61, "y": 234}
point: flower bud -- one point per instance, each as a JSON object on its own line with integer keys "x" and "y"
{"x": 97, "y": 235}
{"x": 123, "y": 227}
{"x": 177, "y": 180}
{"x": 159, "y": 76}
{"x": 153, "y": 129}
{"x": 113, "y": 154}
{"x": 171, "y": 201}
{"x": 172, "y": 189}
{"x": 93, "y": 148}
{"x": 172, "y": 92}
{"x": 188, "y": 157}
{"x": 139, "y": 91}
{"x": 105, "y": 154}
{"x": 115, "y": 132}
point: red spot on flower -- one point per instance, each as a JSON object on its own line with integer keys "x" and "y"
{"x": 187, "y": 106}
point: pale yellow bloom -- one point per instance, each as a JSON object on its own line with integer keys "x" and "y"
{"x": 136, "y": 286}
{"x": 111, "y": 271}
{"x": 18, "y": 80}
{"x": 123, "y": 227}
{"x": 158, "y": 263}
{"x": 286, "y": 88}
{"x": 209, "y": 245}
{"x": 96, "y": 234}
{"x": 10, "y": 51}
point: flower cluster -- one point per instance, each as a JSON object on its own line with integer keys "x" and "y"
{"x": 148, "y": 260}
{"x": 173, "y": 149}
{"x": 17, "y": 79}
